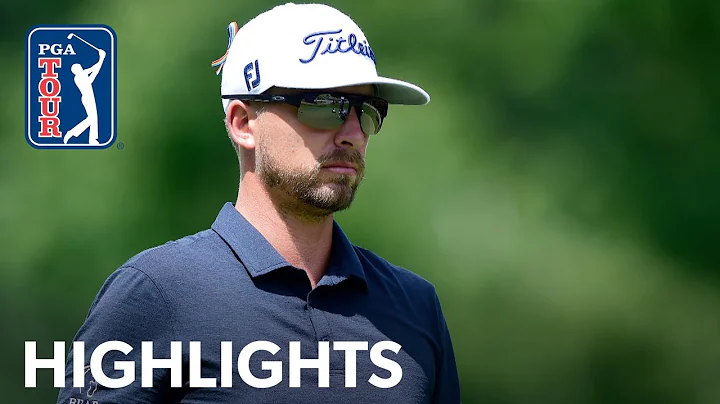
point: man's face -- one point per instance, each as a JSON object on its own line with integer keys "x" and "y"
{"x": 314, "y": 172}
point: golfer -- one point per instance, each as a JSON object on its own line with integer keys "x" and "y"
{"x": 84, "y": 79}
{"x": 285, "y": 308}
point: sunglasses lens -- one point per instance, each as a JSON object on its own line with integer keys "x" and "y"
{"x": 320, "y": 114}
{"x": 370, "y": 120}
{"x": 324, "y": 112}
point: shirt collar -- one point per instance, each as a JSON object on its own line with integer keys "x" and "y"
{"x": 260, "y": 257}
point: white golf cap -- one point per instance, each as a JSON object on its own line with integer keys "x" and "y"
{"x": 305, "y": 46}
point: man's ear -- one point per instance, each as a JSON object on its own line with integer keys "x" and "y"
{"x": 238, "y": 122}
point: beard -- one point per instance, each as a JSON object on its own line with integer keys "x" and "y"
{"x": 312, "y": 193}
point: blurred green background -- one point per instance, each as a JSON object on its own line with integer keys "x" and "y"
{"x": 561, "y": 190}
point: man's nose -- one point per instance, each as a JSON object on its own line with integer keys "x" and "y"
{"x": 350, "y": 133}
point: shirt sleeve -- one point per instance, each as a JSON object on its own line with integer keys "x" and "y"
{"x": 447, "y": 383}
{"x": 129, "y": 308}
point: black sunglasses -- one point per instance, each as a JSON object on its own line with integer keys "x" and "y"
{"x": 328, "y": 110}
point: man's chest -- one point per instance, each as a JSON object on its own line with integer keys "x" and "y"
{"x": 270, "y": 346}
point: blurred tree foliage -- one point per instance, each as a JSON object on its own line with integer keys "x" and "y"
{"x": 561, "y": 189}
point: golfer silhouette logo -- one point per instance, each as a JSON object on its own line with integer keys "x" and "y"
{"x": 71, "y": 87}
{"x": 84, "y": 80}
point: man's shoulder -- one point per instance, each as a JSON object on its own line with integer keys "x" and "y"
{"x": 176, "y": 255}
{"x": 392, "y": 272}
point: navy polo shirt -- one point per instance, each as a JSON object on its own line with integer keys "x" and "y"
{"x": 226, "y": 288}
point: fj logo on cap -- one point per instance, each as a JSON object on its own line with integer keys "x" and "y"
{"x": 248, "y": 75}
{"x": 71, "y": 84}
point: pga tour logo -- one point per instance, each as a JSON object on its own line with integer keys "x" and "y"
{"x": 70, "y": 75}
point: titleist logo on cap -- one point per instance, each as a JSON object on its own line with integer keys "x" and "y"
{"x": 335, "y": 44}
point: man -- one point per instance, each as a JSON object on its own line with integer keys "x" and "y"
{"x": 273, "y": 304}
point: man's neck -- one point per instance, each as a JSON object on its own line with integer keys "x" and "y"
{"x": 305, "y": 243}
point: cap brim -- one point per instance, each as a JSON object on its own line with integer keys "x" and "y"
{"x": 398, "y": 91}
